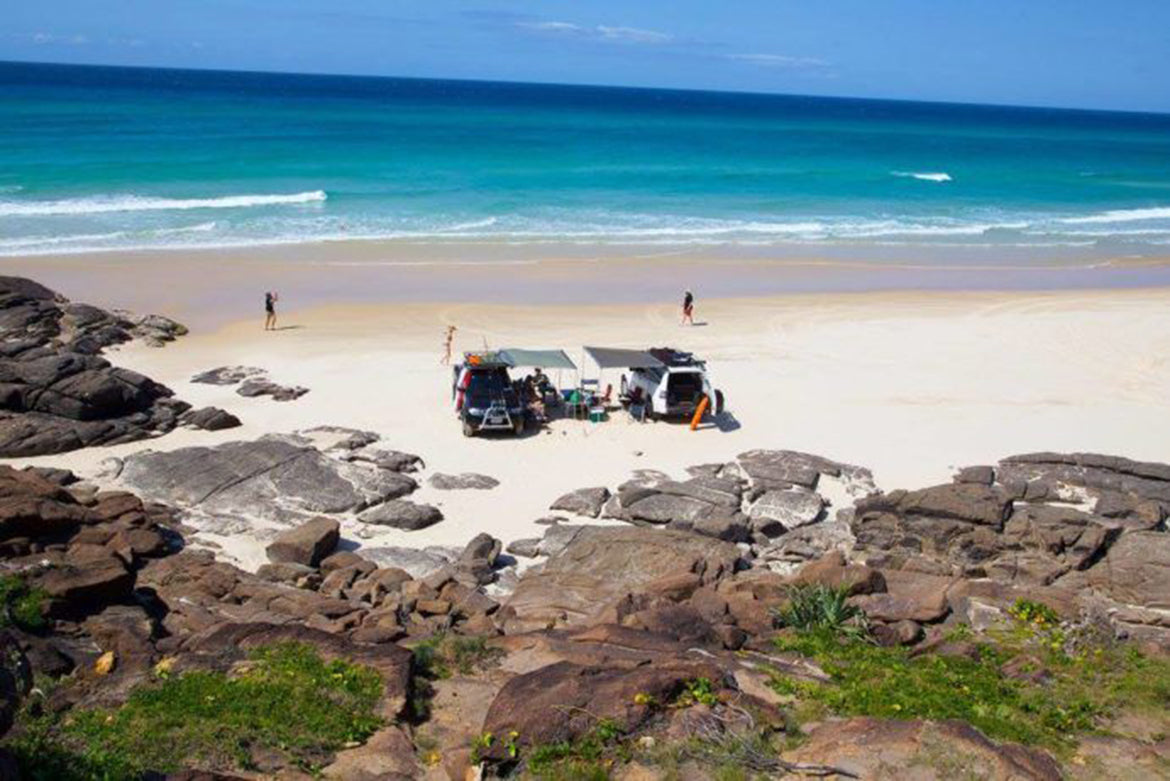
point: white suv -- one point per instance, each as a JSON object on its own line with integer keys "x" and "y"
{"x": 674, "y": 389}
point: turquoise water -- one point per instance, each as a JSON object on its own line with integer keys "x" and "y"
{"x": 99, "y": 159}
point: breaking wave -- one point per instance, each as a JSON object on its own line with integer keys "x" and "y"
{"x": 940, "y": 176}
{"x": 137, "y": 203}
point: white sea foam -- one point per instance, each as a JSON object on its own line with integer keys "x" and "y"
{"x": 1121, "y": 215}
{"x": 137, "y": 203}
{"x": 940, "y": 176}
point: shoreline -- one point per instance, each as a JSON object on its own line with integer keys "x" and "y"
{"x": 208, "y": 288}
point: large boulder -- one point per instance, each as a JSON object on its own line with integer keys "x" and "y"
{"x": 307, "y": 544}
{"x": 600, "y": 565}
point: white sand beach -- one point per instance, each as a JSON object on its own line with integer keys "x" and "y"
{"x": 910, "y": 385}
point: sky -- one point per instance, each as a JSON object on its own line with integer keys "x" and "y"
{"x": 1110, "y": 54}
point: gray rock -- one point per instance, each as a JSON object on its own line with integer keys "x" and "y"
{"x": 712, "y": 490}
{"x": 528, "y": 547}
{"x": 419, "y": 562}
{"x": 268, "y": 478}
{"x": 402, "y": 514}
{"x": 557, "y": 537}
{"x": 664, "y": 508}
{"x": 980, "y": 475}
{"x": 461, "y": 482}
{"x": 210, "y": 419}
{"x": 307, "y": 544}
{"x": 392, "y": 460}
{"x": 229, "y": 375}
{"x": 253, "y": 388}
{"x": 789, "y": 508}
{"x": 583, "y": 501}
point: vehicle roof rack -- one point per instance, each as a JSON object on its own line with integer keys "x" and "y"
{"x": 672, "y": 357}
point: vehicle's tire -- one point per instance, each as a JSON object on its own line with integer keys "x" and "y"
{"x": 468, "y": 429}
{"x": 718, "y": 402}
{"x": 519, "y": 425}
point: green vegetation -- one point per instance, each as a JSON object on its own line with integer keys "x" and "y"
{"x": 816, "y": 607}
{"x": 1037, "y": 613}
{"x": 443, "y": 655}
{"x": 585, "y": 759}
{"x": 287, "y": 700}
{"x": 23, "y": 607}
{"x": 1049, "y": 695}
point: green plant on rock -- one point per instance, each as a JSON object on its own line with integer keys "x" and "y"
{"x": 21, "y": 606}
{"x": 287, "y": 700}
{"x": 698, "y": 691}
{"x": 817, "y": 607}
{"x": 1037, "y": 613}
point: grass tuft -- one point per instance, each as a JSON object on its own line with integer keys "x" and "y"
{"x": 21, "y": 606}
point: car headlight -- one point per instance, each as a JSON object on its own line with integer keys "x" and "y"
{"x": 474, "y": 411}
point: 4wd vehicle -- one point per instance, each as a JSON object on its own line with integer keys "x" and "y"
{"x": 675, "y": 387}
{"x": 485, "y": 397}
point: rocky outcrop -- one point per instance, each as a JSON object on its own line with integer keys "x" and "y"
{"x": 209, "y": 419}
{"x": 56, "y": 392}
{"x": 874, "y": 748}
{"x": 274, "y": 478}
{"x": 603, "y": 564}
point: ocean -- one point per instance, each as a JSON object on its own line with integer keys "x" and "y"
{"x": 97, "y": 159}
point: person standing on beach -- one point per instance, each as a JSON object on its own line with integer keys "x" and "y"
{"x": 446, "y": 359}
{"x": 270, "y": 299}
{"x": 688, "y": 308}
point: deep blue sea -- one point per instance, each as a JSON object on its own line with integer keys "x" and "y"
{"x": 101, "y": 158}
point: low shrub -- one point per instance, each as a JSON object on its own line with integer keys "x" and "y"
{"x": 815, "y": 607}
{"x": 287, "y": 700}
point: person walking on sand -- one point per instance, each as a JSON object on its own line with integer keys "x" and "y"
{"x": 270, "y": 299}
{"x": 688, "y": 308}
{"x": 446, "y": 359}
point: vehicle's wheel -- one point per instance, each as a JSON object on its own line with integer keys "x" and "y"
{"x": 468, "y": 429}
{"x": 519, "y": 425}
{"x": 718, "y": 402}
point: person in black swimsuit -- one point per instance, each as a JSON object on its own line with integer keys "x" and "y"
{"x": 270, "y": 299}
{"x": 688, "y": 308}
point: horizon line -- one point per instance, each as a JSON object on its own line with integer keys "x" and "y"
{"x": 583, "y": 85}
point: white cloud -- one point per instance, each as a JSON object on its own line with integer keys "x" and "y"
{"x": 599, "y": 33}
{"x": 778, "y": 61}
{"x": 44, "y": 39}
{"x": 632, "y": 35}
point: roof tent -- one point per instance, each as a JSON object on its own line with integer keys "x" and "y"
{"x": 544, "y": 359}
{"x": 614, "y": 358}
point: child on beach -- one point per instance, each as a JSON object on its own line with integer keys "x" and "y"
{"x": 446, "y": 359}
{"x": 270, "y": 299}
{"x": 688, "y": 308}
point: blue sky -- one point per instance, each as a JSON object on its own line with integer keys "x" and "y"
{"x": 1080, "y": 53}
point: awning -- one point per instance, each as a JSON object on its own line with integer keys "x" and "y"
{"x": 544, "y": 359}
{"x": 614, "y": 358}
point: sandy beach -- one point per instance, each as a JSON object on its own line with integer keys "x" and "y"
{"x": 909, "y": 384}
